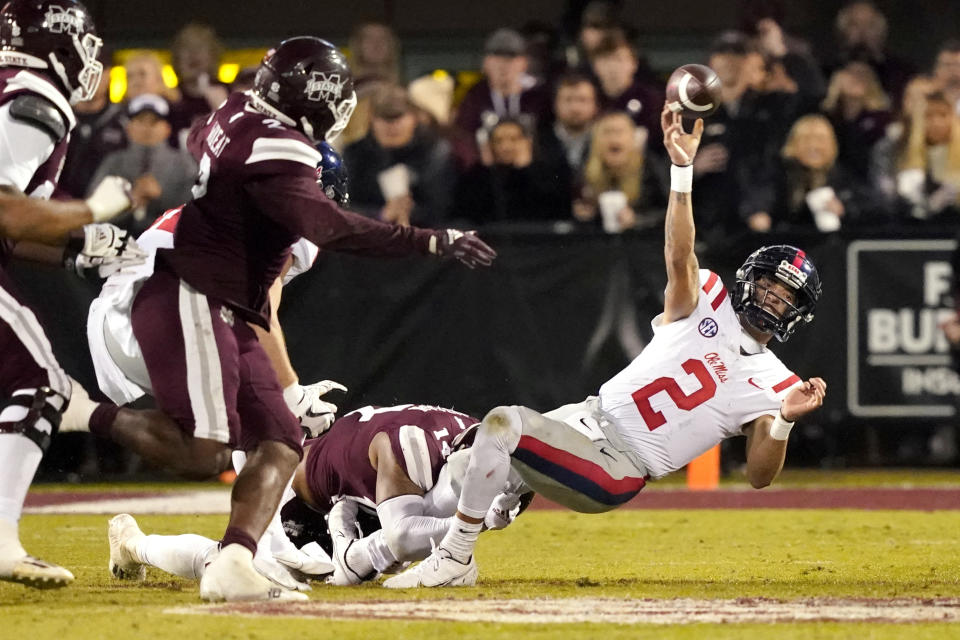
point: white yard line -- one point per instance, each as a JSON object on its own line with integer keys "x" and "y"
{"x": 190, "y": 502}
{"x": 608, "y": 610}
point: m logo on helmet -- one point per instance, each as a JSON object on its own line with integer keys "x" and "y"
{"x": 324, "y": 88}
{"x": 60, "y": 20}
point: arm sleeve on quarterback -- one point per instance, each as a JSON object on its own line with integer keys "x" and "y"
{"x": 23, "y": 148}
{"x": 297, "y": 203}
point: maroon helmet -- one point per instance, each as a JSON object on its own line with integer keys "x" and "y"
{"x": 56, "y": 35}
{"x": 308, "y": 82}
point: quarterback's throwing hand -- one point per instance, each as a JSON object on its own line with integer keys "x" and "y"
{"x": 464, "y": 247}
{"x": 681, "y": 146}
{"x": 803, "y": 399}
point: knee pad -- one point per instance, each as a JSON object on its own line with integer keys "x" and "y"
{"x": 42, "y": 419}
{"x": 505, "y": 424}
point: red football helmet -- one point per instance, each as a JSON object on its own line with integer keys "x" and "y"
{"x": 56, "y": 35}
{"x": 308, "y": 82}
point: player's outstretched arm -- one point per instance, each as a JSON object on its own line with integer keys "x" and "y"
{"x": 767, "y": 435}
{"x": 683, "y": 283}
{"x": 49, "y": 221}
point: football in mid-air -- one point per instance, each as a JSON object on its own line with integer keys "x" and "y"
{"x": 693, "y": 91}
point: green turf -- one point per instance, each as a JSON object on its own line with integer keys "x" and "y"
{"x": 640, "y": 554}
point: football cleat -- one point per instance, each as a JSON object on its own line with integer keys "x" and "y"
{"x": 123, "y": 533}
{"x": 311, "y": 560}
{"x": 343, "y": 575}
{"x": 231, "y": 577}
{"x": 36, "y": 573}
{"x": 77, "y": 415}
{"x": 440, "y": 569}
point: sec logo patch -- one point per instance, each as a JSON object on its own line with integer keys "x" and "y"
{"x": 708, "y": 327}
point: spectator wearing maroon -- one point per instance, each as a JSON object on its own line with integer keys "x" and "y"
{"x": 615, "y": 65}
{"x": 196, "y": 61}
{"x": 513, "y": 186}
{"x": 99, "y": 131}
{"x": 161, "y": 176}
{"x": 861, "y": 30}
{"x": 400, "y": 172}
{"x": 859, "y": 111}
{"x": 506, "y": 91}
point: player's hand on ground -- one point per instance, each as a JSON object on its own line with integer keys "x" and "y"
{"x": 105, "y": 248}
{"x": 681, "y": 146}
{"x": 803, "y": 399}
{"x": 502, "y": 512}
{"x": 315, "y": 415}
{"x": 464, "y": 247}
{"x": 109, "y": 199}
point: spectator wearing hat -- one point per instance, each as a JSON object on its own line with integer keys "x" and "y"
{"x": 401, "y": 171}
{"x": 514, "y": 186}
{"x": 615, "y": 63}
{"x": 161, "y": 176}
{"x": 506, "y": 91}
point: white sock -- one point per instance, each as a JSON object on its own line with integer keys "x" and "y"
{"x": 19, "y": 459}
{"x": 489, "y": 466}
{"x": 10, "y": 548}
{"x": 378, "y": 553}
{"x": 184, "y": 555}
{"x": 461, "y": 538}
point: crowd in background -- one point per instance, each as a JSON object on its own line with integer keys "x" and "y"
{"x": 569, "y": 132}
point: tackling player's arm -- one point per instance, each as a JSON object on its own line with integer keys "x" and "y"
{"x": 765, "y": 452}
{"x": 683, "y": 283}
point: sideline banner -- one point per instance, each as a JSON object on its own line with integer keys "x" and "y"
{"x": 898, "y": 360}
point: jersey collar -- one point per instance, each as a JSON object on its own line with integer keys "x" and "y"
{"x": 749, "y": 346}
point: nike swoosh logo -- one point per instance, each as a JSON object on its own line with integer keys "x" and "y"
{"x": 750, "y": 380}
{"x": 607, "y": 453}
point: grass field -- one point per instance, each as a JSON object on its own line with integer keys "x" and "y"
{"x": 631, "y": 559}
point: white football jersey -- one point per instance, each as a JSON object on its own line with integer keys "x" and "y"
{"x": 695, "y": 384}
{"x": 116, "y": 355}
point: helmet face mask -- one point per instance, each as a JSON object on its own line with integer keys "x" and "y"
{"x": 55, "y": 35}
{"x": 786, "y": 266}
{"x": 308, "y": 81}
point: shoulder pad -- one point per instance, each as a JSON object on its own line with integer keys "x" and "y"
{"x": 40, "y": 113}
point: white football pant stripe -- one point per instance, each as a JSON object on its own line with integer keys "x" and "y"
{"x": 204, "y": 378}
{"x": 26, "y": 327}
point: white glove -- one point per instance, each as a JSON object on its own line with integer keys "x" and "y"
{"x": 107, "y": 249}
{"x": 315, "y": 415}
{"x": 110, "y": 198}
{"x": 504, "y": 509}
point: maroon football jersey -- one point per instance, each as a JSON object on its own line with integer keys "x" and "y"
{"x": 15, "y": 82}
{"x": 256, "y": 194}
{"x": 338, "y": 462}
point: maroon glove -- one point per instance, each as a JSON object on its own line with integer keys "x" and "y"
{"x": 465, "y": 247}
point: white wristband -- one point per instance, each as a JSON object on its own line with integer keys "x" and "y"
{"x": 780, "y": 429}
{"x": 681, "y": 178}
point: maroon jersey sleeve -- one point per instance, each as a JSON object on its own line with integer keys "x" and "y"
{"x": 297, "y": 203}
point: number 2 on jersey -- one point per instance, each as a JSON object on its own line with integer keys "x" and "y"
{"x": 653, "y": 418}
